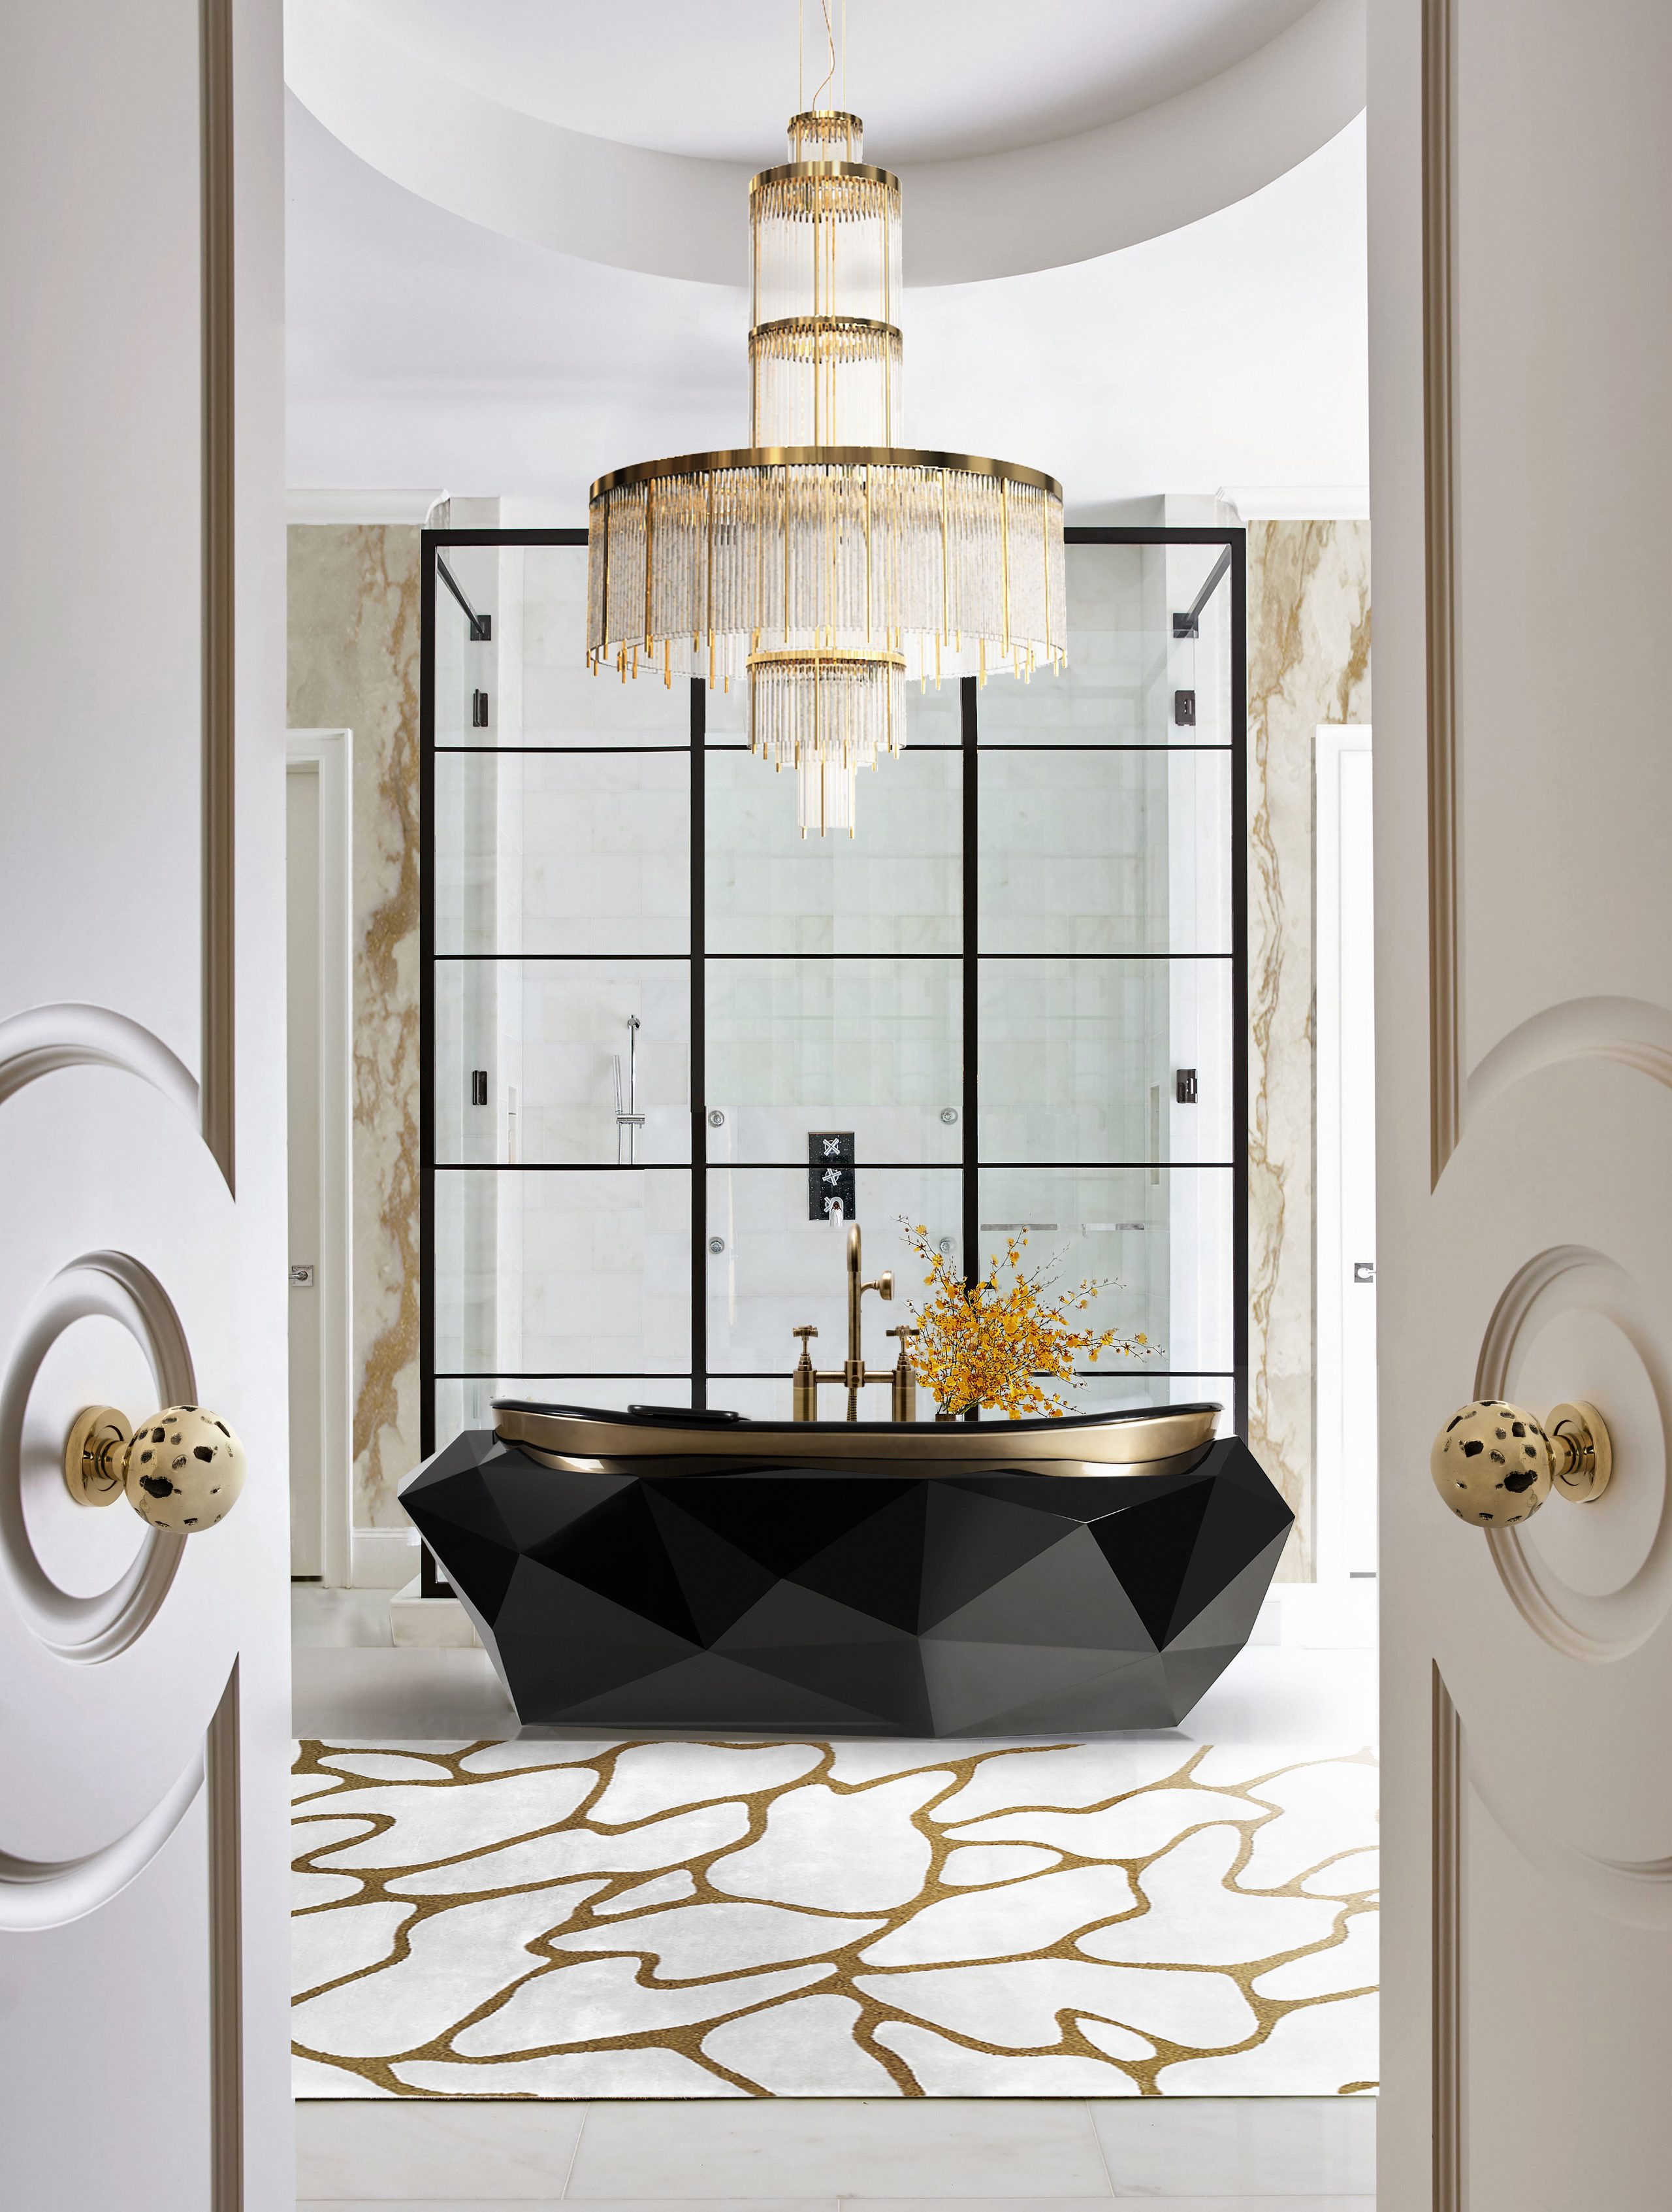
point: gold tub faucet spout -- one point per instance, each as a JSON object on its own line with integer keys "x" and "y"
{"x": 853, "y": 1374}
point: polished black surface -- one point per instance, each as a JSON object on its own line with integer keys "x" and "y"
{"x": 861, "y": 1602}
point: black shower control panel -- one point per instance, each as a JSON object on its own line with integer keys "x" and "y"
{"x": 1184, "y": 710}
{"x": 1184, "y": 1085}
{"x": 830, "y": 1175}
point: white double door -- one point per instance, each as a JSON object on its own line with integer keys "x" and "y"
{"x": 143, "y": 1677}
{"x": 1521, "y": 197}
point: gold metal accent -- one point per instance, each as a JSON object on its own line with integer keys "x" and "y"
{"x": 853, "y": 1374}
{"x": 817, "y": 656}
{"x": 823, "y": 457}
{"x": 1166, "y": 1441}
{"x": 861, "y": 172}
{"x": 903, "y": 1397}
{"x": 1495, "y": 1464}
{"x": 820, "y": 326}
{"x": 181, "y": 1469}
{"x": 1584, "y": 1451}
{"x": 96, "y": 1454}
{"x": 821, "y": 124}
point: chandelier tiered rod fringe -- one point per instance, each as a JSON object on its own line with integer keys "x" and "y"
{"x": 826, "y": 574}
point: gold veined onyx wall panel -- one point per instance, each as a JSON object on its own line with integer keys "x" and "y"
{"x": 354, "y": 664}
{"x": 1308, "y": 663}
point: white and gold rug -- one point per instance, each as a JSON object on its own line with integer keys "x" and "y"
{"x": 810, "y": 1919}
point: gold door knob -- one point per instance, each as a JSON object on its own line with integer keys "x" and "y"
{"x": 1495, "y": 1463}
{"x": 182, "y": 1470}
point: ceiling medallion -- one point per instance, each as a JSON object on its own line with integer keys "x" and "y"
{"x": 823, "y": 562}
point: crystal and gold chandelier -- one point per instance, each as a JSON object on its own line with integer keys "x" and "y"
{"x": 823, "y": 561}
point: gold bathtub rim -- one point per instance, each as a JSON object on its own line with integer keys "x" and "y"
{"x": 1147, "y": 1441}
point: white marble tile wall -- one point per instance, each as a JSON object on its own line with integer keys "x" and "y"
{"x": 870, "y": 1046}
{"x": 895, "y": 886}
{"x": 1114, "y": 688}
{"x": 1308, "y": 663}
{"x": 605, "y": 1276}
{"x": 563, "y": 702}
{"x": 604, "y": 863}
{"x": 1075, "y": 848}
{"x": 776, "y": 1268}
{"x": 561, "y": 1029}
{"x": 353, "y": 664}
{"x": 1078, "y": 1057}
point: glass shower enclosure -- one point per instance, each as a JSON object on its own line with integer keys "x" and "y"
{"x": 1017, "y": 995}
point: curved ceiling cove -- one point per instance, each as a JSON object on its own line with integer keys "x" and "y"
{"x": 1113, "y": 126}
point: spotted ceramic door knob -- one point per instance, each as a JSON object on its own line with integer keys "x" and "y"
{"x": 1495, "y": 1463}
{"x": 182, "y": 1470}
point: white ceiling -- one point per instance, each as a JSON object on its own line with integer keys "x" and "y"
{"x": 460, "y": 106}
{"x": 935, "y": 80}
{"x": 426, "y": 349}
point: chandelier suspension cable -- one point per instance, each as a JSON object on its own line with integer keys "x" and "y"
{"x": 830, "y": 50}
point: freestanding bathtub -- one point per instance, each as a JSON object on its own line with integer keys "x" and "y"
{"x": 662, "y": 1568}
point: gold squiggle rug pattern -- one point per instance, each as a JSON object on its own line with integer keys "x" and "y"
{"x": 647, "y": 1918}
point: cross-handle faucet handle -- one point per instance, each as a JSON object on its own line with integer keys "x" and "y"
{"x": 905, "y": 1330}
{"x": 806, "y": 1330}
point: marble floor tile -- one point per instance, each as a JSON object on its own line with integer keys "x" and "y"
{"x": 1045, "y": 2149}
{"x": 348, "y": 1682}
{"x": 1094, "y": 2204}
{"x": 1188, "y": 2148}
{"x": 408, "y": 1695}
{"x": 374, "y": 2152}
{"x": 323, "y": 1618}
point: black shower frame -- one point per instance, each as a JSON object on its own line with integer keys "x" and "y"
{"x": 436, "y": 541}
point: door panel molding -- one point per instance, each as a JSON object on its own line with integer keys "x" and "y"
{"x": 42, "y": 1039}
{"x": 1447, "y": 1755}
{"x": 224, "y": 1779}
{"x": 1439, "y": 517}
{"x": 220, "y": 586}
{"x": 41, "y": 1894}
{"x": 1635, "y": 1032}
{"x": 1593, "y": 1629}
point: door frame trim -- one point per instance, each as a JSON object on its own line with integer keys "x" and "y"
{"x": 1447, "y": 1779}
{"x": 329, "y": 755}
{"x": 1438, "y": 115}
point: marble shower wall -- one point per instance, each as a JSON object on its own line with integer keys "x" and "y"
{"x": 353, "y": 664}
{"x": 1308, "y": 663}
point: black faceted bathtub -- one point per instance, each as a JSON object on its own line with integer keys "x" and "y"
{"x": 670, "y": 1570}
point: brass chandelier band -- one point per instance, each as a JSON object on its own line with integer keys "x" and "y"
{"x": 824, "y": 121}
{"x": 847, "y": 171}
{"x": 809, "y": 325}
{"x": 822, "y": 656}
{"x": 826, "y": 456}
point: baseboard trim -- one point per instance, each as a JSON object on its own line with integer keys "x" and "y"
{"x": 383, "y": 1558}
